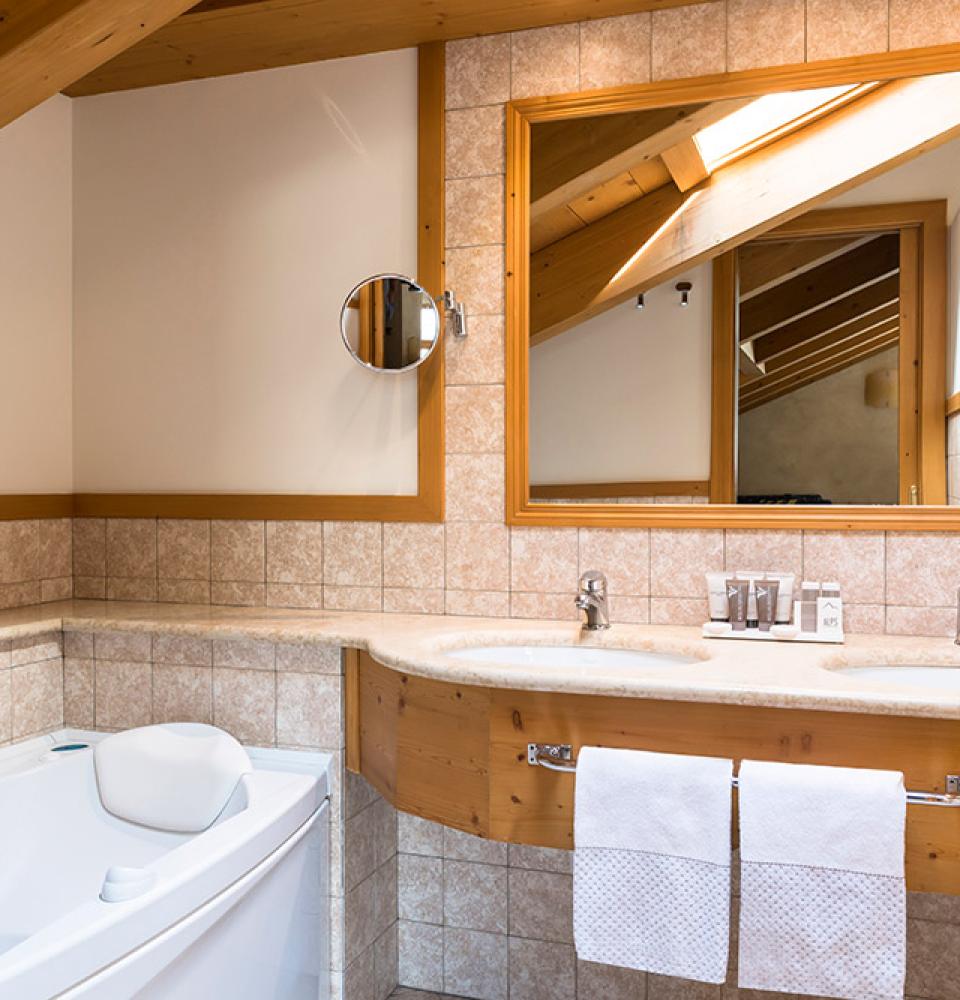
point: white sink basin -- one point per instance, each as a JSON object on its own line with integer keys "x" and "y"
{"x": 913, "y": 674}
{"x": 568, "y": 656}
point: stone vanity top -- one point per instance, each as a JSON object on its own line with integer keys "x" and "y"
{"x": 741, "y": 672}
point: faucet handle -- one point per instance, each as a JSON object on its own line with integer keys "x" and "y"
{"x": 593, "y": 582}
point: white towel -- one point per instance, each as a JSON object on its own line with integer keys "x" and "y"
{"x": 823, "y": 897}
{"x": 651, "y": 879}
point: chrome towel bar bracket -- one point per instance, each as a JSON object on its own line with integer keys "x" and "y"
{"x": 559, "y": 757}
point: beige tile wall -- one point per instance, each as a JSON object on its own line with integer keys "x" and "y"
{"x": 36, "y": 561}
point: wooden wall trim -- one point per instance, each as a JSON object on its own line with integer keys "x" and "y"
{"x": 659, "y": 488}
{"x": 428, "y": 503}
{"x": 521, "y": 114}
{"x": 953, "y": 404}
{"x": 27, "y": 506}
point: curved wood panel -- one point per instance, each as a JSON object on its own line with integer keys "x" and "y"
{"x": 456, "y": 754}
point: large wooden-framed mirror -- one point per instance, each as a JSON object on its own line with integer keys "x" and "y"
{"x": 728, "y": 300}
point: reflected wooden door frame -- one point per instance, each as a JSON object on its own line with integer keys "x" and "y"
{"x": 521, "y": 114}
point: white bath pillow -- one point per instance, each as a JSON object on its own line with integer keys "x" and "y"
{"x": 173, "y": 777}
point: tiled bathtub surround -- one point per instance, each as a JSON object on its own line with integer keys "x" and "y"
{"x": 36, "y": 561}
{"x": 486, "y": 920}
{"x": 31, "y": 686}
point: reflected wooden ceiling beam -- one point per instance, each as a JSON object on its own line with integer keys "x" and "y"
{"x": 819, "y": 286}
{"x": 885, "y": 318}
{"x": 851, "y": 307}
{"x": 47, "y": 46}
{"x": 764, "y": 263}
{"x": 763, "y": 392}
{"x": 570, "y": 282}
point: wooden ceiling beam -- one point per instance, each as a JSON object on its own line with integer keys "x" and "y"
{"x": 764, "y": 263}
{"x": 611, "y": 261}
{"x": 881, "y": 319}
{"x": 685, "y": 163}
{"x": 819, "y": 286}
{"x": 47, "y": 46}
{"x": 864, "y": 300}
{"x": 222, "y": 36}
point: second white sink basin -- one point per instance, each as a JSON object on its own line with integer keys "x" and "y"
{"x": 568, "y": 656}
{"x": 917, "y": 675}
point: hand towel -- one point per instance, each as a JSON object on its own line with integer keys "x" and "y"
{"x": 651, "y": 878}
{"x": 823, "y": 897}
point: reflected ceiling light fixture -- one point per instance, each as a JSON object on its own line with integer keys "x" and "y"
{"x": 684, "y": 287}
{"x": 640, "y": 301}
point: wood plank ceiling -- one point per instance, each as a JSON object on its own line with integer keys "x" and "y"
{"x": 218, "y": 37}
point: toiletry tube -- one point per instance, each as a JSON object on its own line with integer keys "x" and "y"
{"x": 784, "y": 596}
{"x": 767, "y": 591}
{"x": 752, "y": 577}
{"x": 717, "y": 596}
{"x": 830, "y": 611}
{"x": 737, "y": 594}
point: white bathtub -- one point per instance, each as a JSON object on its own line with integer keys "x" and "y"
{"x": 239, "y": 911}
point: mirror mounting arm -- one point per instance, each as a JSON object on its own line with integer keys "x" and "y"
{"x": 455, "y": 314}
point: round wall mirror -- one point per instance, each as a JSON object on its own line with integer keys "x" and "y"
{"x": 390, "y": 324}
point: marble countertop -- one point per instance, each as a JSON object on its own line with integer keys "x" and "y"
{"x": 726, "y": 671}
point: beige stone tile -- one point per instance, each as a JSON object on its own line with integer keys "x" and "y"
{"x": 308, "y": 710}
{"x": 475, "y": 896}
{"x": 77, "y": 644}
{"x": 386, "y": 962}
{"x": 421, "y": 955}
{"x": 123, "y": 694}
{"x": 478, "y": 71}
{"x": 308, "y": 658}
{"x": 295, "y": 595}
{"x": 542, "y": 970}
{"x": 237, "y": 551}
{"x": 545, "y": 61}
{"x": 855, "y": 559}
{"x": 477, "y": 358}
{"x": 670, "y": 988}
{"x": 18, "y": 595}
{"x": 91, "y": 588}
{"x": 764, "y": 33}
{"x": 90, "y": 546}
{"x": 630, "y": 610}
{"x": 6, "y": 707}
{"x": 36, "y": 692}
{"x": 622, "y": 555}
{"x": 770, "y": 551}
{"x": 837, "y": 28}
{"x": 78, "y": 693}
{"x": 544, "y": 560}
{"x": 475, "y": 964}
{"x": 478, "y": 557}
{"x": 420, "y": 882}
{"x": 352, "y": 553}
{"x": 123, "y": 645}
{"x": 19, "y": 551}
{"x": 680, "y": 557}
{"x": 939, "y": 907}
{"x": 689, "y": 41}
{"x": 543, "y": 859}
{"x": 864, "y": 619}
{"x": 238, "y": 593}
{"x": 475, "y": 142}
{"x": 615, "y": 51}
{"x": 35, "y": 649}
{"x": 244, "y": 654}
{"x": 295, "y": 552}
{"x": 353, "y": 598}
{"x": 126, "y": 588}
{"x": 922, "y": 569}
{"x": 59, "y": 588}
{"x": 678, "y": 611}
{"x": 933, "y": 960}
{"x": 554, "y": 607}
{"x": 132, "y": 547}
{"x": 921, "y": 621}
{"x": 183, "y": 549}
{"x": 413, "y": 601}
{"x": 413, "y": 555}
{"x": 474, "y": 419}
{"x": 609, "y": 982}
{"x": 419, "y": 836}
{"x": 476, "y": 275}
{"x": 460, "y": 846}
{"x": 245, "y": 704}
{"x": 541, "y": 905}
{"x": 182, "y": 650}
{"x": 477, "y": 603}
{"x": 185, "y": 591}
{"x": 475, "y": 487}
{"x": 474, "y": 211}
{"x": 182, "y": 694}
{"x": 56, "y": 547}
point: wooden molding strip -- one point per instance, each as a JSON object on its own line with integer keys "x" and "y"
{"x": 661, "y": 488}
{"x": 953, "y": 404}
{"x": 27, "y": 506}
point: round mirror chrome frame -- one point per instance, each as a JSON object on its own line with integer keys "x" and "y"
{"x": 344, "y": 313}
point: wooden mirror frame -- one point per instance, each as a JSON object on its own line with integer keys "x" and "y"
{"x": 521, "y": 115}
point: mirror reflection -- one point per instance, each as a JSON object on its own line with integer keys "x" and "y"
{"x": 389, "y": 323}
{"x": 743, "y": 301}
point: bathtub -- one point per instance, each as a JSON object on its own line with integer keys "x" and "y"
{"x": 238, "y": 911}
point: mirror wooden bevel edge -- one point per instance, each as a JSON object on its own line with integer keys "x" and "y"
{"x": 521, "y": 114}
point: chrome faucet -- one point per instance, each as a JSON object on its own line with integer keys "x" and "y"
{"x": 593, "y": 600}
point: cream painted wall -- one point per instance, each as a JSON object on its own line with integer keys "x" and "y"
{"x": 218, "y": 225}
{"x": 35, "y": 301}
{"x": 626, "y": 396}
